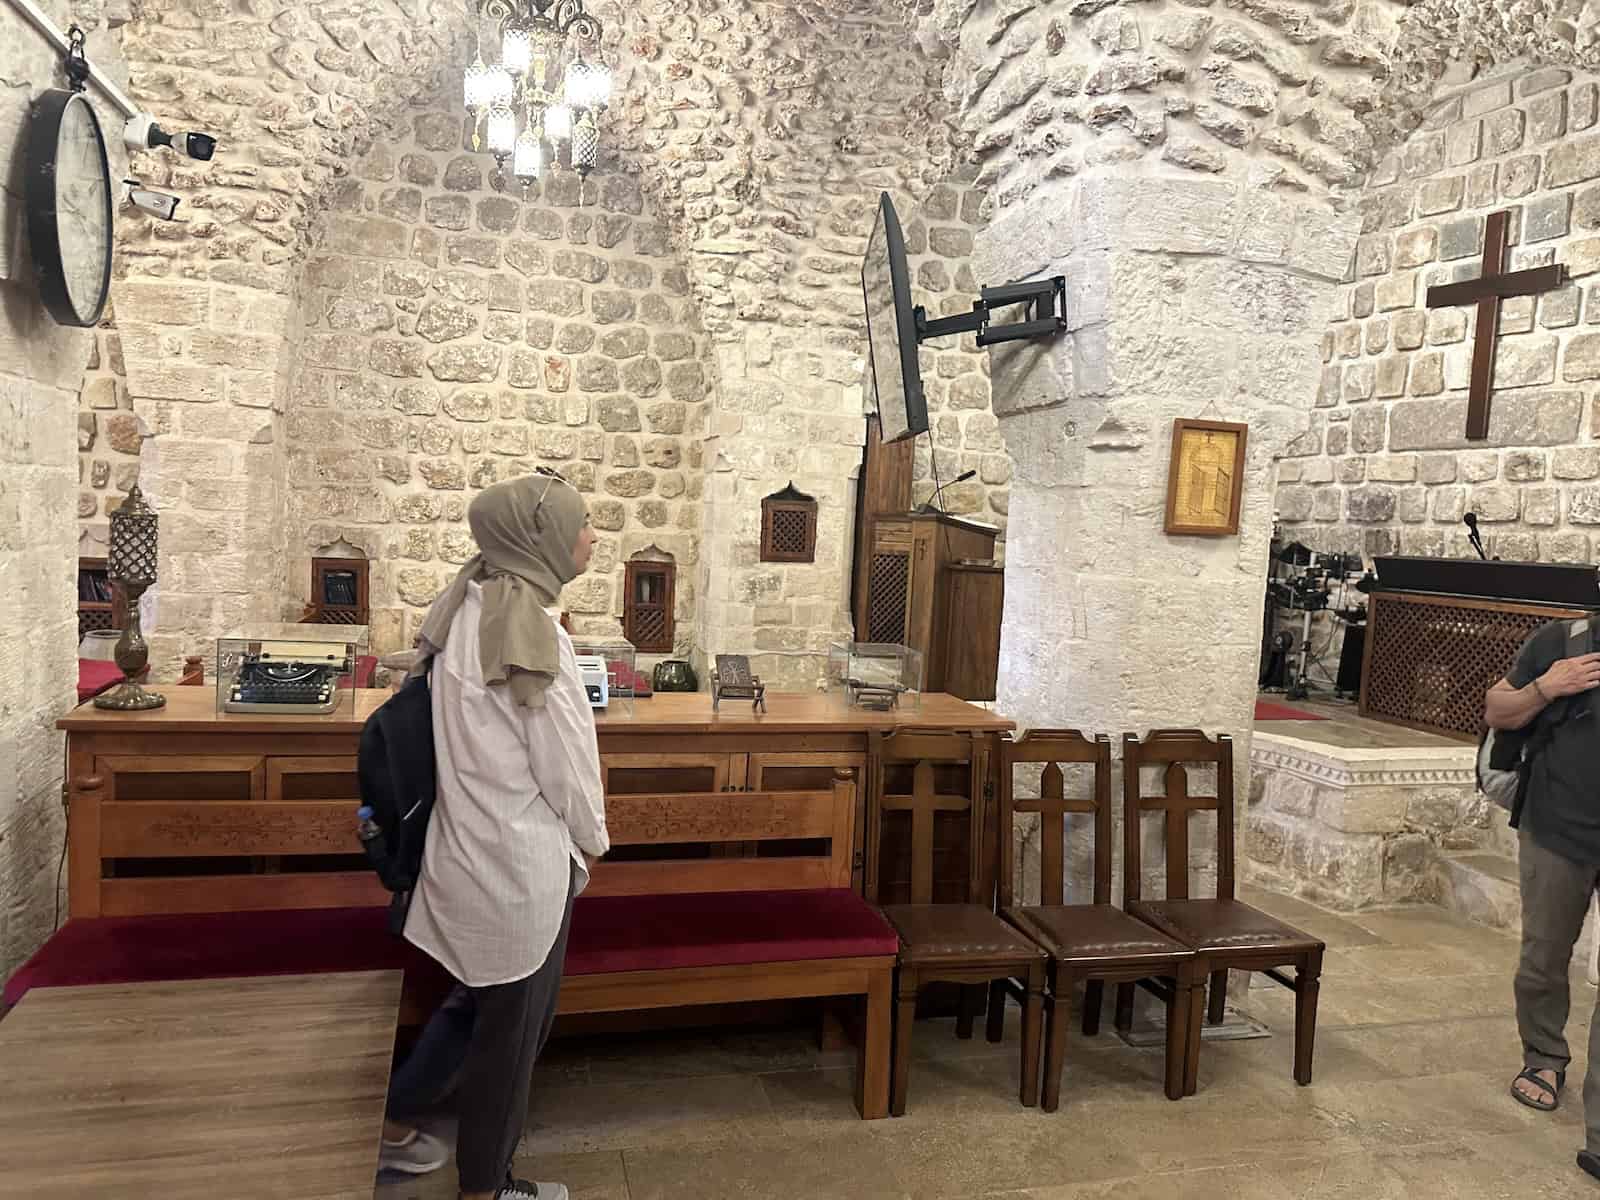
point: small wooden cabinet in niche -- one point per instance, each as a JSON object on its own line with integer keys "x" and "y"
{"x": 647, "y": 617}
{"x": 789, "y": 527}
{"x": 339, "y": 592}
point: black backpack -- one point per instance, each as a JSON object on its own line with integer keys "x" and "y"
{"x": 398, "y": 778}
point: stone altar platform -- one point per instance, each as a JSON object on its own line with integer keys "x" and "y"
{"x": 1350, "y": 812}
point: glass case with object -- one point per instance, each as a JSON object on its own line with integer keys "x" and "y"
{"x": 611, "y": 675}
{"x": 876, "y": 675}
{"x": 289, "y": 670}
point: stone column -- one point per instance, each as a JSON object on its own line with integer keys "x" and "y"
{"x": 1186, "y": 298}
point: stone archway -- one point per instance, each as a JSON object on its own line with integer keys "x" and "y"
{"x": 760, "y": 134}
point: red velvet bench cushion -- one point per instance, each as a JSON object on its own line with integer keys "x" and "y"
{"x": 712, "y": 929}
{"x": 302, "y": 941}
{"x": 609, "y": 933}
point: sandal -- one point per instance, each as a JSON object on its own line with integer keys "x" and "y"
{"x": 1531, "y": 1075}
{"x": 1590, "y": 1162}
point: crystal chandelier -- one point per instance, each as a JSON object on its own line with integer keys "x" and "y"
{"x": 547, "y": 89}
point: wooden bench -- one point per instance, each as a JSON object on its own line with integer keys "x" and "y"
{"x": 638, "y": 940}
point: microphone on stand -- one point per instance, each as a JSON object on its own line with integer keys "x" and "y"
{"x": 933, "y": 501}
{"x": 1471, "y": 522}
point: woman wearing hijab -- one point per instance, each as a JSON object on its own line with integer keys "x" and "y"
{"x": 518, "y": 819}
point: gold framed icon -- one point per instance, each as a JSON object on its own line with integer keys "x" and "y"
{"x": 1205, "y": 480}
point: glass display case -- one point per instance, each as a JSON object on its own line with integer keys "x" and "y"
{"x": 611, "y": 675}
{"x": 295, "y": 670}
{"x": 878, "y": 675}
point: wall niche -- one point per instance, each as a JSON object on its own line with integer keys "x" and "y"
{"x": 647, "y": 607}
{"x": 789, "y": 527}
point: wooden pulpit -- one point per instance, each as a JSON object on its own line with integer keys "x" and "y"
{"x": 1441, "y": 632}
{"x": 927, "y": 580}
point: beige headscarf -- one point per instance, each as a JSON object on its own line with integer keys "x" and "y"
{"x": 526, "y": 530}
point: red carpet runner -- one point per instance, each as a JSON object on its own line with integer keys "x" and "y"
{"x": 1268, "y": 711}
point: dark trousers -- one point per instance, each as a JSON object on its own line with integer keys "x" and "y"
{"x": 1555, "y": 900}
{"x": 482, "y": 1044}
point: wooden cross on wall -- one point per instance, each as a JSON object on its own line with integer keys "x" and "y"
{"x": 1487, "y": 291}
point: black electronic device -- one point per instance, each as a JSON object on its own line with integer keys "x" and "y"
{"x": 896, "y": 326}
{"x": 1561, "y": 585}
{"x": 933, "y": 501}
{"x": 892, "y": 329}
{"x": 1351, "y": 657}
{"x": 1471, "y": 522}
{"x": 266, "y": 685}
{"x": 1275, "y": 662}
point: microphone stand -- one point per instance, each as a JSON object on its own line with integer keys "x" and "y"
{"x": 931, "y": 505}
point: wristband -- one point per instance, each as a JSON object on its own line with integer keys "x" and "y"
{"x": 1540, "y": 690}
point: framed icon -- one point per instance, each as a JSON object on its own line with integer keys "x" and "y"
{"x": 1205, "y": 481}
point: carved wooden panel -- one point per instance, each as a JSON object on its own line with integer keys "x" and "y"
{"x": 179, "y": 830}
{"x": 718, "y": 817}
{"x": 1430, "y": 659}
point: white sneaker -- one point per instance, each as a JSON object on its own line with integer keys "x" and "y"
{"x": 521, "y": 1189}
{"x": 416, "y": 1155}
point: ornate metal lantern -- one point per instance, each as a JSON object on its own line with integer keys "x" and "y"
{"x": 547, "y": 89}
{"x": 131, "y": 564}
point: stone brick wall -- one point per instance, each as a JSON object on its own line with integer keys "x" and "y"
{"x": 455, "y": 336}
{"x": 41, "y": 368}
{"x": 790, "y": 404}
{"x": 391, "y": 280}
{"x": 1385, "y": 466}
{"x": 109, "y": 439}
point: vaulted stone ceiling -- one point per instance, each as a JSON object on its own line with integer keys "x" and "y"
{"x": 723, "y": 104}
{"x": 725, "y": 108}
{"x": 1313, "y": 90}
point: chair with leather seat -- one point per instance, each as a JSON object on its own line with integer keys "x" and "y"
{"x": 1224, "y": 933}
{"x": 1097, "y": 942}
{"x": 954, "y": 936}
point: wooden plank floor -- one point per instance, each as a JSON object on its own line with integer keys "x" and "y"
{"x": 270, "y": 1087}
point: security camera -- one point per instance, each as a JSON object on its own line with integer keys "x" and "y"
{"x": 142, "y": 133}
{"x": 146, "y": 200}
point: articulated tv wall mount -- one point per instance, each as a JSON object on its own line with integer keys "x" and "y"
{"x": 1048, "y": 298}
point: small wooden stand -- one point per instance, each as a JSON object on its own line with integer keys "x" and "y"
{"x": 732, "y": 680}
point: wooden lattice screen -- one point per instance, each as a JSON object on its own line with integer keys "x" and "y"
{"x": 1430, "y": 659}
{"x": 888, "y": 587}
{"x": 788, "y": 527}
{"x": 647, "y": 617}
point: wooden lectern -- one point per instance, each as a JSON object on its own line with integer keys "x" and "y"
{"x": 925, "y": 580}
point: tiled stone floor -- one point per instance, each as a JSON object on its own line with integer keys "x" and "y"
{"x": 1415, "y": 1049}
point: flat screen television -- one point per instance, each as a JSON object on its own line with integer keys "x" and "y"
{"x": 892, "y": 330}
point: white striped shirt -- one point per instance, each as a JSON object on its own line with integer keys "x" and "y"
{"x": 519, "y": 796}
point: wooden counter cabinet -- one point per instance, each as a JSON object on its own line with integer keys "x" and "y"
{"x": 201, "y": 811}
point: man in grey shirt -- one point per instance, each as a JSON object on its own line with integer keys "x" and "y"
{"x": 1547, "y": 693}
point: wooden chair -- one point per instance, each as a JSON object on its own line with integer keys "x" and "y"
{"x": 1224, "y": 933}
{"x": 954, "y": 942}
{"x": 1095, "y": 942}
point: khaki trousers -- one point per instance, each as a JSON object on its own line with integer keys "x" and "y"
{"x": 1555, "y": 900}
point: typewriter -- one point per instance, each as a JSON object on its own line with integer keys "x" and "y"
{"x": 288, "y": 679}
